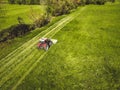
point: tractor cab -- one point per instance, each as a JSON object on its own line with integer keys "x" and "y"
{"x": 42, "y": 40}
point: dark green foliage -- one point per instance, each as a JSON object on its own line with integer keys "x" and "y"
{"x": 20, "y": 20}
{"x": 60, "y": 7}
{"x": 15, "y": 31}
{"x": 41, "y": 21}
{"x": 11, "y": 1}
{"x": 111, "y": 0}
{"x": 61, "y": 2}
{"x": 24, "y": 1}
{"x": 99, "y": 2}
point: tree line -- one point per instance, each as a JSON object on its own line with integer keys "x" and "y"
{"x": 24, "y": 1}
{"x": 15, "y": 31}
{"x": 59, "y": 7}
{"x": 72, "y": 2}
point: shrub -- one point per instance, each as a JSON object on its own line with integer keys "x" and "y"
{"x": 42, "y": 20}
{"x": 15, "y": 31}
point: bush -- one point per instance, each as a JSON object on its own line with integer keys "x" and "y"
{"x": 15, "y": 31}
{"x": 61, "y": 7}
{"x": 42, "y": 20}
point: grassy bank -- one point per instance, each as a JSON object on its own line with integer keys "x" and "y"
{"x": 12, "y": 12}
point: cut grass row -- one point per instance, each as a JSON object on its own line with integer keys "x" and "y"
{"x": 16, "y": 66}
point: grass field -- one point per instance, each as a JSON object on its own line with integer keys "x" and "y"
{"x": 86, "y": 56}
{"x": 23, "y": 11}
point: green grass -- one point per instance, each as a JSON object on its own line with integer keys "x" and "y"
{"x": 86, "y": 56}
{"x": 20, "y": 54}
{"x": 12, "y": 12}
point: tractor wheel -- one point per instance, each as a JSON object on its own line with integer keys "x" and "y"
{"x": 46, "y": 48}
{"x": 50, "y": 43}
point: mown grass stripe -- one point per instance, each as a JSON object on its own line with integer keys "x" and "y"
{"x": 23, "y": 66}
{"x": 29, "y": 70}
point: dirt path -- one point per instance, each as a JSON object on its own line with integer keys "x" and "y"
{"x": 19, "y": 63}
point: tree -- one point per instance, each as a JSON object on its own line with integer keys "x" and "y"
{"x": 11, "y": 1}
{"x": 23, "y": 1}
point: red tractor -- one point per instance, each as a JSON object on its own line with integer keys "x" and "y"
{"x": 44, "y": 43}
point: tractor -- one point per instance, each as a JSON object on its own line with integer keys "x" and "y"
{"x": 44, "y": 43}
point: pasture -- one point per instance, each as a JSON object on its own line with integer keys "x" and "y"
{"x": 86, "y": 56}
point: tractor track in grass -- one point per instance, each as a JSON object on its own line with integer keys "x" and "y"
{"x": 20, "y": 61}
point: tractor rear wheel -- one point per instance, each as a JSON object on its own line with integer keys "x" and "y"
{"x": 50, "y": 43}
{"x": 46, "y": 48}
